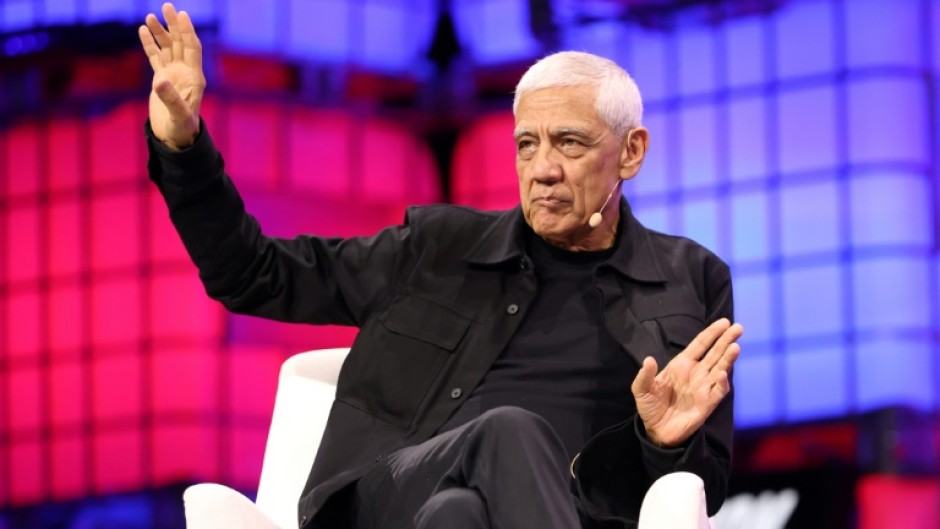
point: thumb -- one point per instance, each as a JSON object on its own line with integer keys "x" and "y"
{"x": 171, "y": 98}
{"x": 643, "y": 383}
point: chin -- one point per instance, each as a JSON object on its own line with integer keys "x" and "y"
{"x": 555, "y": 229}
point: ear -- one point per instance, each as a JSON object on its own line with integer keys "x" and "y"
{"x": 634, "y": 150}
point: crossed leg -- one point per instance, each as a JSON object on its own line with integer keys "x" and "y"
{"x": 506, "y": 469}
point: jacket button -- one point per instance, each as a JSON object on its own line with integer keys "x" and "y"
{"x": 523, "y": 264}
{"x": 456, "y": 393}
{"x": 303, "y": 520}
{"x": 512, "y": 309}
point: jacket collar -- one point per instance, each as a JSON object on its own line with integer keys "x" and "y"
{"x": 504, "y": 241}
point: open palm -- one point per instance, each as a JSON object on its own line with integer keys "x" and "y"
{"x": 675, "y": 402}
{"x": 175, "y": 54}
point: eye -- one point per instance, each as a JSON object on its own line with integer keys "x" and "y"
{"x": 572, "y": 146}
{"x": 525, "y": 147}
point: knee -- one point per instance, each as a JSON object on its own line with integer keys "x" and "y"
{"x": 512, "y": 418}
{"x": 453, "y": 508}
{"x": 510, "y": 425}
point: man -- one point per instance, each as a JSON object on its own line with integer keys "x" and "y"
{"x": 506, "y": 372}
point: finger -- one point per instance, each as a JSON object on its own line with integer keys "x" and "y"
{"x": 172, "y": 24}
{"x": 159, "y": 32}
{"x": 723, "y": 368}
{"x": 150, "y": 48}
{"x": 192, "y": 48}
{"x": 705, "y": 339}
{"x": 643, "y": 383}
{"x": 728, "y": 359}
{"x": 719, "y": 390}
{"x": 717, "y": 351}
{"x": 167, "y": 93}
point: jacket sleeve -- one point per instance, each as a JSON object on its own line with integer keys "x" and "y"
{"x": 306, "y": 279}
{"x": 619, "y": 464}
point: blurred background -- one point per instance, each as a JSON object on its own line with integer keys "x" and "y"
{"x": 798, "y": 139}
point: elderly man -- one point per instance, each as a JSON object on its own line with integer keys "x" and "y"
{"x": 506, "y": 373}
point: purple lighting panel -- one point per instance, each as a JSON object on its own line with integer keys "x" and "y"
{"x": 801, "y": 146}
{"x": 117, "y": 373}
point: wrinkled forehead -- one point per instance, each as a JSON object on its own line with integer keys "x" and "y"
{"x": 566, "y": 108}
{"x": 586, "y": 93}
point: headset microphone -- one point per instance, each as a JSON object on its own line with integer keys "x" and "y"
{"x": 598, "y": 216}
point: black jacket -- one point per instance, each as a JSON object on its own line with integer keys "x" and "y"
{"x": 436, "y": 300}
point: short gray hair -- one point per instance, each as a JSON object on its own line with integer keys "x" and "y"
{"x": 618, "y": 100}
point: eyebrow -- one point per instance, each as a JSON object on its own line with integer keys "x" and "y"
{"x": 581, "y": 133}
{"x": 518, "y": 133}
{"x": 564, "y": 131}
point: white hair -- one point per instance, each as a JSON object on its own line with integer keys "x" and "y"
{"x": 618, "y": 102}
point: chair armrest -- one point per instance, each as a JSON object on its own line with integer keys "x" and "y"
{"x": 213, "y": 506}
{"x": 676, "y": 500}
{"x": 300, "y": 413}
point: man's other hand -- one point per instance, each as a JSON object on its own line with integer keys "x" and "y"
{"x": 175, "y": 55}
{"x": 674, "y": 403}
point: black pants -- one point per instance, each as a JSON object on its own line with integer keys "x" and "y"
{"x": 507, "y": 469}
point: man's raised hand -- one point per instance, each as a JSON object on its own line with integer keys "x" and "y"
{"x": 674, "y": 403}
{"x": 175, "y": 55}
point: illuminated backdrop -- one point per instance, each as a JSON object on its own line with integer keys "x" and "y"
{"x": 800, "y": 144}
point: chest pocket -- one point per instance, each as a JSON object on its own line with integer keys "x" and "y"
{"x": 678, "y": 330}
{"x": 426, "y": 321}
{"x": 398, "y": 356}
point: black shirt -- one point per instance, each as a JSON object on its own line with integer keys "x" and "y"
{"x": 562, "y": 364}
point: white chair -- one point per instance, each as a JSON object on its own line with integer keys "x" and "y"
{"x": 675, "y": 501}
{"x": 305, "y": 392}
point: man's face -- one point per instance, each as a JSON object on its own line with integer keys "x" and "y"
{"x": 568, "y": 160}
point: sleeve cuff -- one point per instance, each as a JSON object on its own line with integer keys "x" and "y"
{"x": 193, "y": 167}
{"x": 658, "y": 460}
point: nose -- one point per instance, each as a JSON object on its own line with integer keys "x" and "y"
{"x": 546, "y": 168}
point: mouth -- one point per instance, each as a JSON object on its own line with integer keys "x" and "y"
{"x": 549, "y": 201}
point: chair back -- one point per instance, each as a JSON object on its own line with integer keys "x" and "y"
{"x": 305, "y": 392}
